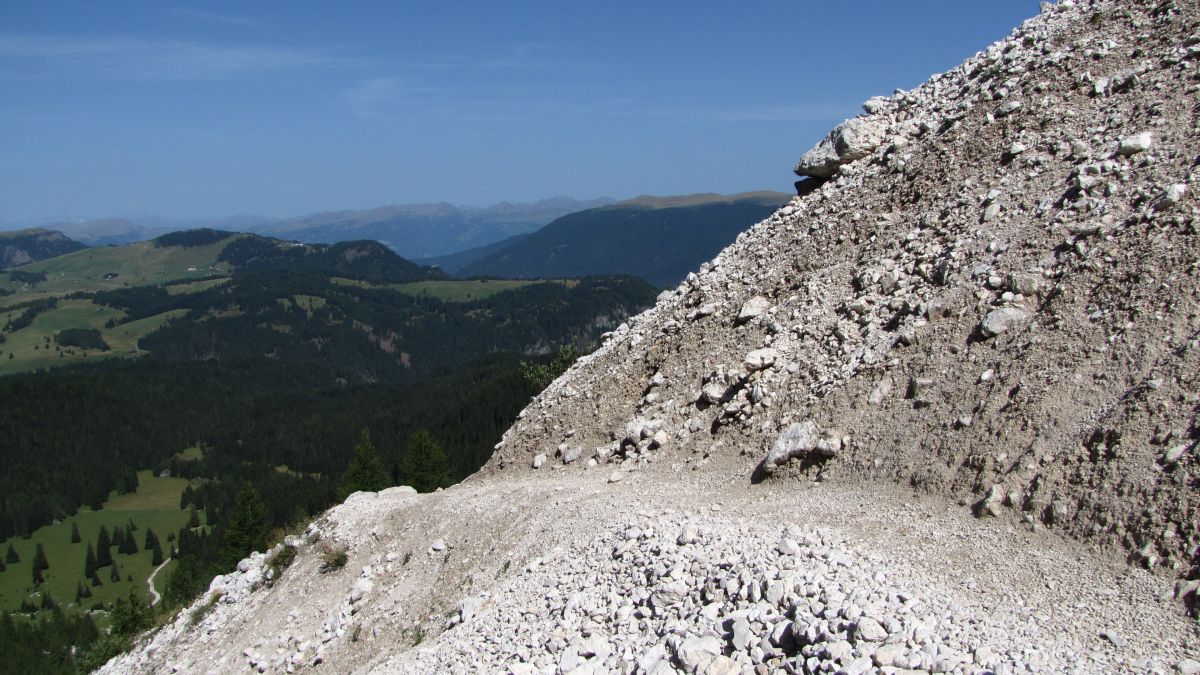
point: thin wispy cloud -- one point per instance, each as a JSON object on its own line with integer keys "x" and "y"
{"x": 388, "y": 97}
{"x": 192, "y": 14}
{"x": 125, "y": 57}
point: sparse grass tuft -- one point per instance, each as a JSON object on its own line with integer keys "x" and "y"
{"x": 333, "y": 557}
{"x": 281, "y": 561}
{"x": 198, "y": 614}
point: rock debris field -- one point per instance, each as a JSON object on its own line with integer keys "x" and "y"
{"x": 937, "y": 414}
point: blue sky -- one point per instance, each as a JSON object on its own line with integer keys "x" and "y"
{"x": 287, "y": 108}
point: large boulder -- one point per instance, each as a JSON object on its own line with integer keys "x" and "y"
{"x": 853, "y": 139}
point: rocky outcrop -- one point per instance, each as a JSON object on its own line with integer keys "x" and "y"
{"x": 938, "y": 414}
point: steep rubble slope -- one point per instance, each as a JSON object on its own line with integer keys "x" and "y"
{"x": 989, "y": 309}
{"x": 999, "y": 302}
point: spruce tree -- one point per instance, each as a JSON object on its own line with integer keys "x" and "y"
{"x": 247, "y": 527}
{"x": 39, "y": 565}
{"x": 115, "y": 575}
{"x": 11, "y": 556}
{"x": 89, "y": 562}
{"x": 366, "y": 471}
{"x": 193, "y": 519}
{"x": 151, "y": 538}
{"x": 156, "y": 555}
{"x": 75, "y": 538}
{"x": 425, "y": 467}
{"x": 118, "y": 537}
{"x": 129, "y": 545}
{"x": 103, "y": 544}
{"x": 96, "y": 580}
{"x": 2, "y": 565}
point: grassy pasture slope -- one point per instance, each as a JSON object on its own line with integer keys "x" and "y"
{"x": 137, "y": 264}
{"x": 76, "y": 313}
{"x": 155, "y": 504}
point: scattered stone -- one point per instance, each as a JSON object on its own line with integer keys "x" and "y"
{"x": 1131, "y": 145}
{"x": 760, "y": 359}
{"x": 753, "y": 308}
{"x": 795, "y": 442}
{"x": 1001, "y": 320}
{"x": 538, "y": 460}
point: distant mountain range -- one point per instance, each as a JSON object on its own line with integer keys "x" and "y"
{"x": 659, "y": 239}
{"x": 26, "y": 246}
{"x": 412, "y": 230}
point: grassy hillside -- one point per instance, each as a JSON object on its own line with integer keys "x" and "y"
{"x": 112, "y": 267}
{"x": 35, "y": 346}
{"x": 154, "y": 505}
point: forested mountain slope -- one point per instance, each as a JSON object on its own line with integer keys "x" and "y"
{"x": 659, "y": 239}
{"x": 26, "y": 246}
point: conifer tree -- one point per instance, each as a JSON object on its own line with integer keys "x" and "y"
{"x": 425, "y": 467}
{"x": 3, "y": 566}
{"x": 75, "y": 538}
{"x": 193, "y": 519}
{"x": 115, "y": 575}
{"x": 11, "y": 556}
{"x": 129, "y": 545}
{"x": 103, "y": 544}
{"x": 366, "y": 471}
{"x": 89, "y": 562}
{"x": 48, "y": 601}
{"x": 247, "y": 527}
{"x": 118, "y": 537}
{"x": 156, "y": 554}
{"x": 39, "y": 565}
{"x": 96, "y": 580}
{"x": 132, "y": 526}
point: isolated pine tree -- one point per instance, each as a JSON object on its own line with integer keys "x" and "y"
{"x": 132, "y": 526}
{"x": 48, "y": 601}
{"x": 193, "y": 519}
{"x": 151, "y": 538}
{"x": 75, "y": 538}
{"x": 118, "y": 537}
{"x": 115, "y": 575}
{"x": 11, "y": 556}
{"x": 95, "y": 580}
{"x": 103, "y": 546}
{"x": 39, "y": 565}
{"x": 366, "y": 471}
{"x": 3, "y": 566}
{"x": 156, "y": 554}
{"x": 129, "y": 546}
{"x": 425, "y": 466}
{"x": 89, "y": 562}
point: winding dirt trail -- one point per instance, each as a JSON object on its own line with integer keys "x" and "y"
{"x": 154, "y": 594}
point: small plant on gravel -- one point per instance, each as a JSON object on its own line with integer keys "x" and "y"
{"x": 333, "y": 557}
{"x": 202, "y": 611}
{"x": 407, "y": 558}
{"x": 281, "y": 561}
